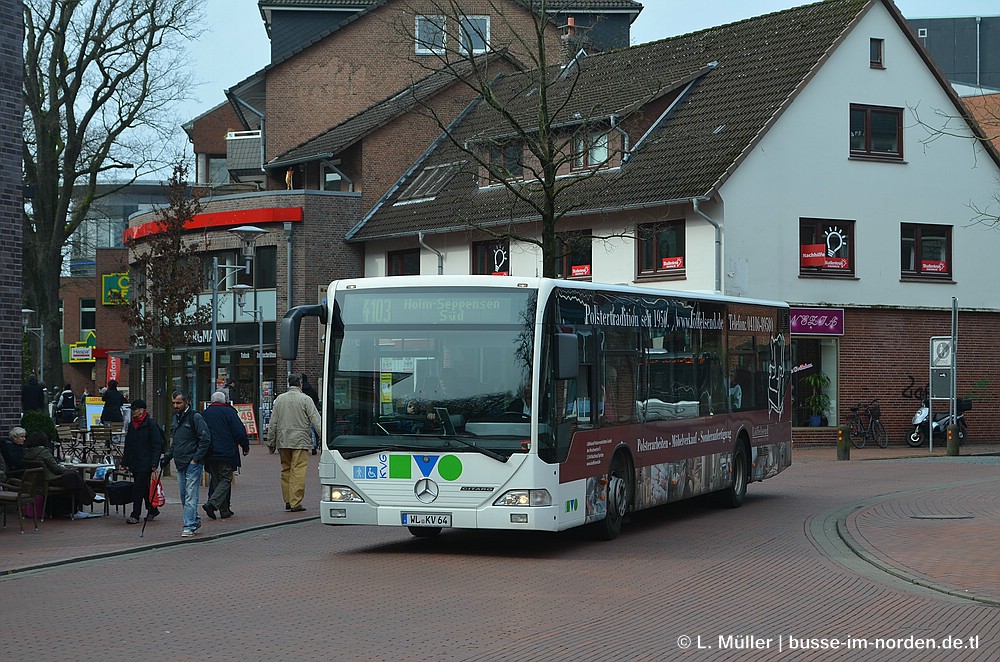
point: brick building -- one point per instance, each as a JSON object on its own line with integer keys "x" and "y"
{"x": 306, "y": 145}
{"x": 11, "y": 208}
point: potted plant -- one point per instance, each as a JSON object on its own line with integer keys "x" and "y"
{"x": 817, "y": 402}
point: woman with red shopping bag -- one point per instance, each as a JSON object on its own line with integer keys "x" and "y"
{"x": 143, "y": 447}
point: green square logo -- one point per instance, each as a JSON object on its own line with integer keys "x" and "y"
{"x": 400, "y": 466}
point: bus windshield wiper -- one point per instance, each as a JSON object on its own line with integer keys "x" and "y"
{"x": 485, "y": 451}
{"x": 347, "y": 455}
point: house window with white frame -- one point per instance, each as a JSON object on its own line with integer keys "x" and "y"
{"x": 475, "y": 34}
{"x": 430, "y": 35}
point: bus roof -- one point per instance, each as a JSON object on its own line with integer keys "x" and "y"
{"x": 543, "y": 285}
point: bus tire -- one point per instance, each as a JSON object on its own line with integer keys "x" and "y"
{"x": 424, "y": 531}
{"x": 732, "y": 496}
{"x": 619, "y": 498}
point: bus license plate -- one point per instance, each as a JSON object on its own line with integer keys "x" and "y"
{"x": 426, "y": 519}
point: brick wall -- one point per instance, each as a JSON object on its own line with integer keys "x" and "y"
{"x": 886, "y": 354}
{"x": 362, "y": 63}
{"x": 11, "y": 209}
{"x": 209, "y": 131}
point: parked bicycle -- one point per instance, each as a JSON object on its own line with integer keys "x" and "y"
{"x": 860, "y": 432}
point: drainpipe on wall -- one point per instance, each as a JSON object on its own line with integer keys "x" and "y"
{"x": 718, "y": 244}
{"x": 420, "y": 238}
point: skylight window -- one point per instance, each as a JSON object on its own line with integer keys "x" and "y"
{"x": 429, "y": 182}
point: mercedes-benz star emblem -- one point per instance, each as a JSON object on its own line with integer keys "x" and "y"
{"x": 426, "y": 490}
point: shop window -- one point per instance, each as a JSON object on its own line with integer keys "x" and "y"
{"x": 925, "y": 252}
{"x": 576, "y": 249}
{"x": 403, "y": 263}
{"x": 826, "y": 247}
{"x": 814, "y": 382}
{"x": 661, "y": 250}
{"x": 491, "y": 258}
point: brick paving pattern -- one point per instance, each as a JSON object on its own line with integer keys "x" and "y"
{"x": 773, "y": 569}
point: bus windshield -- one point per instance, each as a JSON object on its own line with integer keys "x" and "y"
{"x": 427, "y": 369}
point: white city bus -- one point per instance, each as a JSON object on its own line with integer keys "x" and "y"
{"x": 484, "y": 402}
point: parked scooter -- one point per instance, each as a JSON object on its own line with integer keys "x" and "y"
{"x": 941, "y": 421}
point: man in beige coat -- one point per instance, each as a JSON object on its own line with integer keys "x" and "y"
{"x": 293, "y": 418}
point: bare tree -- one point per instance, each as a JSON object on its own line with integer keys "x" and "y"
{"x": 541, "y": 122}
{"x": 166, "y": 277}
{"x": 982, "y": 113}
{"x": 99, "y": 78}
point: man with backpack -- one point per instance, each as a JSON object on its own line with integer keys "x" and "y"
{"x": 190, "y": 443}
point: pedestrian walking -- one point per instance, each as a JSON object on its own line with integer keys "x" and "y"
{"x": 113, "y": 401}
{"x": 308, "y": 389}
{"x": 293, "y": 419}
{"x": 230, "y": 390}
{"x": 32, "y": 395}
{"x": 66, "y": 405}
{"x": 189, "y": 444}
{"x": 143, "y": 447}
{"x": 229, "y": 436}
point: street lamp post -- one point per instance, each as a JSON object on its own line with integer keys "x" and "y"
{"x": 248, "y": 234}
{"x": 258, "y": 316}
{"x": 40, "y": 332}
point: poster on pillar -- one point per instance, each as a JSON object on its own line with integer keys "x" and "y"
{"x": 114, "y": 370}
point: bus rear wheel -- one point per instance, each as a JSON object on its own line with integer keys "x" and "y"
{"x": 732, "y": 496}
{"x": 424, "y": 531}
{"x": 618, "y": 499}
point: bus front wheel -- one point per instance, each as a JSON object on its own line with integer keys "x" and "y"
{"x": 732, "y": 496}
{"x": 618, "y": 498}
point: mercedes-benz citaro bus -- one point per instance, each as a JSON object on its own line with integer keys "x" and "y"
{"x": 496, "y": 402}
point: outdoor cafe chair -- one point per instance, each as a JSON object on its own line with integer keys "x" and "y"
{"x": 32, "y": 485}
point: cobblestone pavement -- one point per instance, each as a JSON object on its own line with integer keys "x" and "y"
{"x": 884, "y": 555}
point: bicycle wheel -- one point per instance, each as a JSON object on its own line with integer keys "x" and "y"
{"x": 857, "y": 433}
{"x": 881, "y": 436}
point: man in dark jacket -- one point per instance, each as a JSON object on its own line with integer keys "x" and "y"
{"x": 32, "y": 396}
{"x": 189, "y": 446}
{"x": 143, "y": 446}
{"x": 227, "y": 432}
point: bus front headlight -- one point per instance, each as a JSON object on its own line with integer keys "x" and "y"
{"x": 522, "y": 498}
{"x": 342, "y": 494}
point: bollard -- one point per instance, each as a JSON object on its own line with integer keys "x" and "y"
{"x": 843, "y": 443}
{"x": 952, "y": 433}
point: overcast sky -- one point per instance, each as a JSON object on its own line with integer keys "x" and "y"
{"x": 236, "y": 44}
